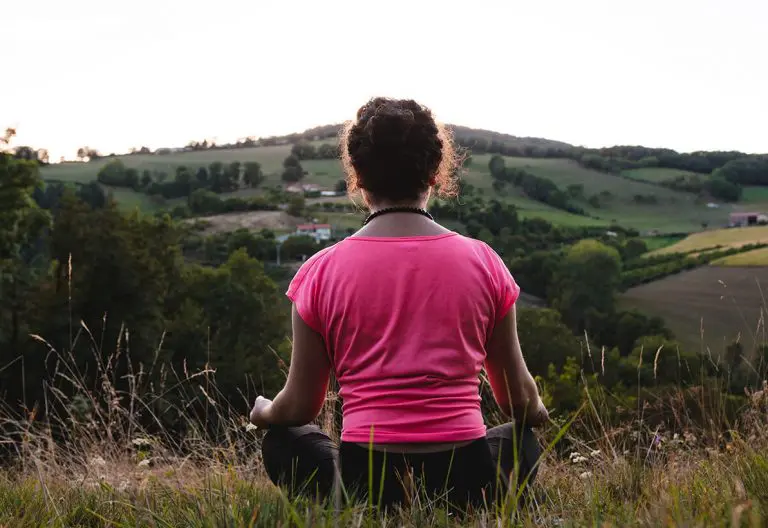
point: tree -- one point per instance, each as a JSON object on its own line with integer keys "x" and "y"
{"x": 232, "y": 176}
{"x": 303, "y": 151}
{"x": 633, "y": 248}
{"x": 545, "y": 340}
{"x": 293, "y": 171}
{"x": 296, "y": 247}
{"x": 214, "y": 314}
{"x": 341, "y": 186}
{"x": 146, "y": 178}
{"x": 22, "y": 223}
{"x": 215, "y": 175}
{"x": 252, "y": 175}
{"x": 585, "y": 284}
{"x": 113, "y": 174}
{"x": 497, "y": 166}
{"x": 92, "y": 194}
{"x": 296, "y": 206}
{"x": 25, "y": 153}
{"x": 575, "y": 191}
{"x": 202, "y": 176}
{"x": 722, "y": 189}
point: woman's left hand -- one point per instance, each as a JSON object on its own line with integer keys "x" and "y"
{"x": 257, "y": 413}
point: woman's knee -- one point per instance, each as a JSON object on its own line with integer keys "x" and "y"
{"x": 295, "y": 455}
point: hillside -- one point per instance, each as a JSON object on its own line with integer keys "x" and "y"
{"x": 709, "y": 307}
{"x": 636, "y": 204}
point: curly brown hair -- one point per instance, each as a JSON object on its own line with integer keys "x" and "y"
{"x": 395, "y": 150}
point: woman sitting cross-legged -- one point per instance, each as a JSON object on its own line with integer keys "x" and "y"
{"x": 406, "y": 314}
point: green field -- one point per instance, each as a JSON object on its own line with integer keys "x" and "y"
{"x": 673, "y": 211}
{"x": 659, "y": 242}
{"x": 754, "y": 195}
{"x": 733, "y": 237}
{"x": 658, "y": 175}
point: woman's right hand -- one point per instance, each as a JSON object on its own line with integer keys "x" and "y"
{"x": 531, "y": 415}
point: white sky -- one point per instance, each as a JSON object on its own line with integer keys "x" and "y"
{"x": 685, "y": 74}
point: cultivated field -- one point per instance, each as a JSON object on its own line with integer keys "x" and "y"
{"x": 708, "y": 307}
{"x": 733, "y": 237}
{"x": 758, "y": 257}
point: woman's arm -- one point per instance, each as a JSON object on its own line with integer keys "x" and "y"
{"x": 304, "y": 392}
{"x": 513, "y": 386}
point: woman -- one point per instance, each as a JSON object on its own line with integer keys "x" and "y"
{"x": 406, "y": 313}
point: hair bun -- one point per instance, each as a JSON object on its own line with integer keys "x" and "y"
{"x": 390, "y": 125}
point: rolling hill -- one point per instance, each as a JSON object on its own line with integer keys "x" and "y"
{"x": 624, "y": 200}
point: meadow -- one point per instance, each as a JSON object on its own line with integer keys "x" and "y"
{"x": 657, "y": 174}
{"x": 105, "y": 468}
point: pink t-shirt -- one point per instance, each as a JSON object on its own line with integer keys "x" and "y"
{"x": 405, "y": 322}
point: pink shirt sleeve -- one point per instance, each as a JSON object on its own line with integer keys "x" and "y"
{"x": 506, "y": 289}
{"x": 302, "y": 291}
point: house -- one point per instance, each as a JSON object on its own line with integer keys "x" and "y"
{"x": 744, "y": 219}
{"x": 302, "y": 188}
{"x": 329, "y": 193}
{"x": 317, "y": 231}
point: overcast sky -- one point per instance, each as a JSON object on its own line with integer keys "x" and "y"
{"x": 685, "y": 74}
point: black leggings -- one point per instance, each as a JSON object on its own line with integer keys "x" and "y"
{"x": 304, "y": 461}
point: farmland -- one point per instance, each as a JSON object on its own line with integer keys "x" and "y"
{"x": 657, "y": 175}
{"x": 756, "y": 258}
{"x": 718, "y": 237}
{"x": 620, "y": 198}
{"x": 707, "y": 307}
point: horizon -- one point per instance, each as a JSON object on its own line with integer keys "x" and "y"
{"x": 684, "y": 77}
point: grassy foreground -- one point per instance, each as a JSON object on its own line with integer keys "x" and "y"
{"x": 103, "y": 457}
{"x": 689, "y": 489}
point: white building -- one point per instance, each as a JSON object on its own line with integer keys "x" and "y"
{"x": 317, "y": 231}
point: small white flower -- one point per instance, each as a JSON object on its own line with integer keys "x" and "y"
{"x": 144, "y": 463}
{"x": 595, "y": 453}
{"x": 98, "y": 461}
{"x": 141, "y": 442}
{"x": 585, "y": 475}
{"x": 251, "y": 427}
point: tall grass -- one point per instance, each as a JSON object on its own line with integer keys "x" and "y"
{"x": 165, "y": 448}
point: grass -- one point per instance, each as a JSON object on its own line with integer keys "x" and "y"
{"x": 756, "y": 258}
{"x": 111, "y": 463}
{"x": 755, "y": 195}
{"x": 709, "y": 307}
{"x": 674, "y": 212}
{"x": 658, "y": 175}
{"x": 695, "y": 489}
{"x": 658, "y": 242}
{"x": 732, "y": 237}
